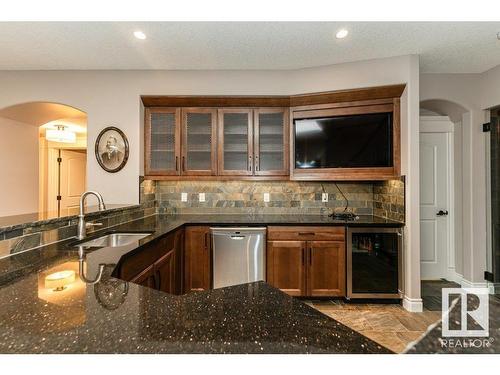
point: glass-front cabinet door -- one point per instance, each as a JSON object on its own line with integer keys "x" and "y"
{"x": 162, "y": 141}
{"x": 199, "y": 132}
{"x": 235, "y": 147}
{"x": 270, "y": 141}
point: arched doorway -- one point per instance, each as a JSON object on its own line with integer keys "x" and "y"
{"x": 441, "y": 195}
{"x": 44, "y": 158}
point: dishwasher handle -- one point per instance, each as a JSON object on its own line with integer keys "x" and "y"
{"x": 237, "y": 237}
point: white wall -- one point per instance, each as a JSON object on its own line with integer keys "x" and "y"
{"x": 19, "y": 166}
{"x": 113, "y": 98}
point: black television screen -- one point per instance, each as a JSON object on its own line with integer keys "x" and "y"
{"x": 353, "y": 141}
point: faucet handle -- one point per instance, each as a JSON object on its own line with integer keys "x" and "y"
{"x": 90, "y": 225}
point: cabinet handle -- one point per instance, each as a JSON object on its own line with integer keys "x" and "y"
{"x": 176, "y": 163}
{"x": 306, "y": 233}
{"x": 257, "y": 167}
{"x": 183, "y": 164}
{"x": 310, "y": 256}
{"x": 250, "y": 163}
{"x": 303, "y": 256}
{"x": 206, "y": 240}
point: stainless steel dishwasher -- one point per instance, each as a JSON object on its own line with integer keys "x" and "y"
{"x": 238, "y": 255}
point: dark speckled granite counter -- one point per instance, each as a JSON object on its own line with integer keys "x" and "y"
{"x": 114, "y": 316}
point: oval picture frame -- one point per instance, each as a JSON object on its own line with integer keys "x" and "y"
{"x": 111, "y": 149}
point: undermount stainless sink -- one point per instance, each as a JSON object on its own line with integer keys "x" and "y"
{"x": 114, "y": 240}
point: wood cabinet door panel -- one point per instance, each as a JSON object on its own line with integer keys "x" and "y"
{"x": 164, "y": 273}
{"x": 326, "y": 268}
{"x": 235, "y": 142}
{"x": 162, "y": 141}
{"x": 197, "y": 250}
{"x": 271, "y": 141}
{"x": 145, "y": 278}
{"x": 286, "y": 266}
{"x": 199, "y": 133}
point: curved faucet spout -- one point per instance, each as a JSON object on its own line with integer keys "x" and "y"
{"x": 82, "y": 229}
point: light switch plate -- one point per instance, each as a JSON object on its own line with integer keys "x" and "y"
{"x": 201, "y": 197}
{"x": 184, "y": 197}
{"x": 266, "y": 197}
{"x": 324, "y": 197}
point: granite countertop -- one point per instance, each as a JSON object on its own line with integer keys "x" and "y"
{"x": 8, "y": 223}
{"x": 114, "y": 316}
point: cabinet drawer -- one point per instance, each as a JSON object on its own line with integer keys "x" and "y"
{"x": 305, "y": 233}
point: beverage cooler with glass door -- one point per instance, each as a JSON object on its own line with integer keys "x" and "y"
{"x": 374, "y": 261}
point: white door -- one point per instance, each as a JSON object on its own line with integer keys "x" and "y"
{"x": 73, "y": 177}
{"x": 434, "y": 200}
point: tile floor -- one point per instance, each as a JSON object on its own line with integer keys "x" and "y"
{"x": 389, "y": 325}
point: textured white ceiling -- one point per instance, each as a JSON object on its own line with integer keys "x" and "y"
{"x": 453, "y": 47}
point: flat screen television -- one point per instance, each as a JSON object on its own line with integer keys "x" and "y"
{"x": 353, "y": 141}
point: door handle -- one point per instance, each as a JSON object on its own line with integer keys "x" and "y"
{"x": 442, "y": 213}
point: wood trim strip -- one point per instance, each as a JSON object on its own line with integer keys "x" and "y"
{"x": 368, "y": 93}
{"x": 344, "y": 111}
{"x": 215, "y": 101}
{"x": 350, "y": 95}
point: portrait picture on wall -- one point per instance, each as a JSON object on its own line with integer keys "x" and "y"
{"x": 111, "y": 149}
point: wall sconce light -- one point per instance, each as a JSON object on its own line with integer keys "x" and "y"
{"x": 59, "y": 281}
{"x": 60, "y": 134}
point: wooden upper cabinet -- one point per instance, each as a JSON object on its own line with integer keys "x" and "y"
{"x": 286, "y": 267}
{"x": 271, "y": 155}
{"x": 235, "y": 143}
{"x": 199, "y": 134}
{"x": 326, "y": 270}
{"x": 162, "y": 141}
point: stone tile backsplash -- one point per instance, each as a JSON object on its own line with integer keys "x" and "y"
{"x": 287, "y": 197}
{"x": 389, "y": 199}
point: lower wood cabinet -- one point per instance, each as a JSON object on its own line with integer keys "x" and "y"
{"x": 145, "y": 278}
{"x": 286, "y": 266}
{"x": 306, "y": 268}
{"x": 158, "y": 265}
{"x": 326, "y": 268}
{"x": 197, "y": 250}
{"x": 164, "y": 273}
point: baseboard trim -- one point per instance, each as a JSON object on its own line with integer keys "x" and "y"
{"x": 464, "y": 283}
{"x": 413, "y": 304}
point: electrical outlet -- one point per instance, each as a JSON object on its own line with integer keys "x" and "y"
{"x": 266, "y": 197}
{"x": 324, "y": 197}
{"x": 201, "y": 197}
{"x": 184, "y": 197}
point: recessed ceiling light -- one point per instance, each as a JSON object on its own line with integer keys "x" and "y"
{"x": 342, "y": 33}
{"x": 139, "y": 35}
